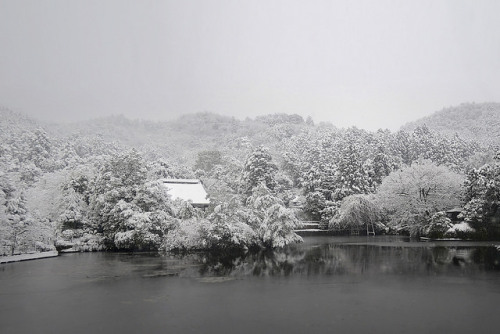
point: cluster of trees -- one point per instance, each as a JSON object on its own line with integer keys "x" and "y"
{"x": 248, "y": 211}
{"x": 95, "y": 183}
{"x": 411, "y": 175}
{"x": 89, "y": 194}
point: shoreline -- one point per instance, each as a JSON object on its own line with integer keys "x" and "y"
{"x": 27, "y": 257}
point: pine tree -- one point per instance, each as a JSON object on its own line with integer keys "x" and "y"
{"x": 351, "y": 177}
{"x": 259, "y": 168}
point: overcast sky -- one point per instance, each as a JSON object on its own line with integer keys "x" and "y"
{"x": 373, "y": 64}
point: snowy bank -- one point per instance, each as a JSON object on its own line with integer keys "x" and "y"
{"x": 463, "y": 227}
{"x": 26, "y": 257}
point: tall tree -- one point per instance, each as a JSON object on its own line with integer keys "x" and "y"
{"x": 258, "y": 169}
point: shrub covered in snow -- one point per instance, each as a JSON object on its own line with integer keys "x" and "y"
{"x": 221, "y": 231}
{"x": 437, "y": 226}
{"x": 277, "y": 228}
{"x": 273, "y": 223}
{"x": 187, "y": 234}
{"x": 461, "y": 230}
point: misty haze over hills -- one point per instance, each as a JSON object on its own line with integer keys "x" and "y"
{"x": 473, "y": 121}
{"x": 187, "y": 134}
{"x": 181, "y": 139}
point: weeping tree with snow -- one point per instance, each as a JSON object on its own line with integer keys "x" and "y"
{"x": 356, "y": 212}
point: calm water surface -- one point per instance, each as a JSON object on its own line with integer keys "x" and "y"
{"x": 327, "y": 284}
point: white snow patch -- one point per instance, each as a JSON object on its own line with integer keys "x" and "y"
{"x": 460, "y": 227}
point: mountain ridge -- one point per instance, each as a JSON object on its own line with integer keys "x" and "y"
{"x": 471, "y": 121}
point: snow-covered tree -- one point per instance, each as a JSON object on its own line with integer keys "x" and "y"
{"x": 437, "y": 226}
{"x": 130, "y": 211}
{"x": 355, "y": 212}
{"x": 277, "y": 228}
{"x": 482, "y": 198}
{"x": 17, "y": 221}
{"x": 272, "y": 221}
{"x": 411, "y": 195}
{"x": 206, "y": 160}
{"x": 258, "y": 168}
{"x": 351, "y": 176}
{"x": 227, "y": 230}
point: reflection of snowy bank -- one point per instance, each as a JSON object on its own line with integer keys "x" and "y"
{"x": 341, "y": 259}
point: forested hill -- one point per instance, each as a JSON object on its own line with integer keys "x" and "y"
{"x": 184, "y": 137}
{"x": 473, "y": 121}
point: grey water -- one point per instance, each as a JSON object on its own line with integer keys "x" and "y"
{"x": 327, "y": 284}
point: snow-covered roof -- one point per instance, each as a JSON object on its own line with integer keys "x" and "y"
{"x": 190, "y": 190}
{"x": 186, "y": 181}
{"x": 455, "y": 209}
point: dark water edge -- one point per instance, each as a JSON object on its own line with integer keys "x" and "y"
{"x": 327, "y": 284}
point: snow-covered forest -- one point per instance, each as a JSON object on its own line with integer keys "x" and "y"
{"x": 95, "y": 185}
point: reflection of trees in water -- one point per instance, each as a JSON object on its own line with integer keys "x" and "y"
{"x": 343, "y": 259}
{"x": 488, "y": 257}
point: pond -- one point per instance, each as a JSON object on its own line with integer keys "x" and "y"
{"x": 327, "y": 284}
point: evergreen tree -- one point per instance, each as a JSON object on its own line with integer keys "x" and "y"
{"x": 351, "y": 176}
{"x": 259, "y": 168}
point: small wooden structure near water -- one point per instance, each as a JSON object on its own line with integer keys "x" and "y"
{"x": 453, "y": 214}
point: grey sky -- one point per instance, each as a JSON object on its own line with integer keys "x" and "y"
{"x": 367, "y": 63}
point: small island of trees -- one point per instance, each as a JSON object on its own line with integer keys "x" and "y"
{"x": 96, "y": 185}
